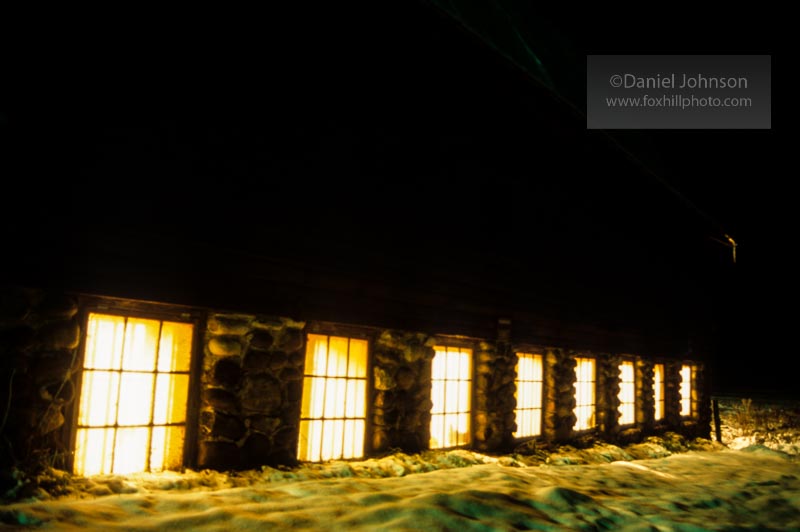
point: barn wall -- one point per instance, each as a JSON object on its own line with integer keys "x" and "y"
{"x": 251, "y": 388}
{"x": 250, "y": 377}
{"x": 401, "y": 397}
{"x": 559, "y": 403}
{"x": 645, "y": 394}
{"x": 39, "y": 338}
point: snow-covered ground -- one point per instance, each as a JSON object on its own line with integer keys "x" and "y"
{"x": 660, "y": 484}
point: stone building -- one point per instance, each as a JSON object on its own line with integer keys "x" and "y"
{"x": 114, "y": 385}
{"x": 431, "y": 252}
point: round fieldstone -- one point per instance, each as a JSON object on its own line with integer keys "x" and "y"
{"x": 257, "y": 362}
{"x": 261, "y": 393}
{"x": 227, "y": 426}
{"x": 60, "y": 335}
{"x": 291, "y": 340}
{"x": 405, "y": 378}
{"x": 225, "y": 346}
{"x": 261, "y": 340}
{"x": 383, "y": 379}
{"x": 291, "y": 375}
{"x": 228, "y": 325}
{"x": 52, "y": 418}
{"x": 380, "y": 440}
{"x": 264, "y": 424}
{"x": 222, "y": 400}
{"x": 227, "y": 372}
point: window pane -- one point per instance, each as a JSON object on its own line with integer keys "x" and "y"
{"x": 337, "y": 357}
{"x": 167, "y": 448}
{"x": 105, "y": 337}
{"x": 130, "y": 451}
{"x": 316, "y": 354}
{"x": 135, "y": 398}
{"x": 99, "y": 398}
{"x": 172, "y": 393}
{"x": 358, "y": 359}
{"x": 538, "y": 391}
{"x": 175, "y": 348}
{"x": 437, "y": 396}
{"x": 141, "y": 338}
{"x": 93, "y": 451}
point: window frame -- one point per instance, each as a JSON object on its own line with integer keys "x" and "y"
{"x": 632, "y": 362}
{"x": 351, "y": 333}
{"x": 458, "y": 342}
{"x": 136, "y": 309}
{"x": 594, "y": 426}
{"x": 664, "y": 365}
{"x": 540, "y": 353}
{"x": 692, "y": 389}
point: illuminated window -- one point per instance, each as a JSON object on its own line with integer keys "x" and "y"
{"x": 584, "y": 393}
{"x": 627, "y": 394}
{"x": 686, "y": 390}
{"x": 132, "y": 413}
{"x": 658, "y": 390}
{"x": 450, "y": 394}
{"x": 334, "y": 411}
{"x": 529, "y": 395}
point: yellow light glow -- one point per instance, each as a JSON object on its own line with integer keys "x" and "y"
{"x": 584, "y": 393}
{"x": 450, "y": 394}
{"x": 133, "y": 397}
{"x": 658, "y": 390}
{"x": 686, "y": 390}
{"x": 627, "y": 394}
{"x": 333, "y": 410}
{"x": 530, "y": 374}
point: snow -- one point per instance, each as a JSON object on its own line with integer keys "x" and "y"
{"x": 664, "y": 483}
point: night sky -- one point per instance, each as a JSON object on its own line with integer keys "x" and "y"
{"x": 241, "y": 147}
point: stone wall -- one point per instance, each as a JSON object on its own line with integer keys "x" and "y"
{"x": 559, "y": 402}
{"x": 672, "y": 395}
{"x": 645, "y": 395}
{"x": 699, "y": 425}
{"x": 494, "y": 420}
{"x": 252, "y": 381}
{"x": 607, "y": 394}
{"x": 39, "y": 338}
{"x": 401, "y": 396}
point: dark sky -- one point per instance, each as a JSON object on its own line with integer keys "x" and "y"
{"x": 142, "y": 91}
{"x": 738, "y": 178}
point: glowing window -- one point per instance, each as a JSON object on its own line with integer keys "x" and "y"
{"x": 627, "y": 394}
{"x": 135, "y": 387}
{"x": 686, "y": 390}
{"x": 334, "y": 410}
{"x": 584, "y": 393}
{"x": 450, "y": 393}
{"x": 529, "y": 395}
{"x": 658, "y": 390}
